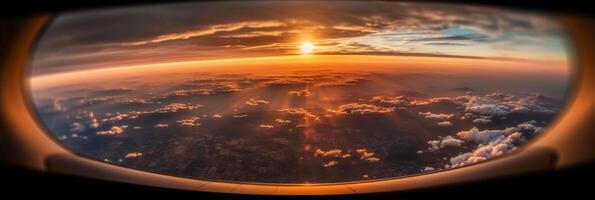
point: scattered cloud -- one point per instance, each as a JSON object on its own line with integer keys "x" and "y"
{"x": 283, "y": 121}
{"x": 444, "y": 123}
{"x": 301, "y": 111}
{"x": 427, "y": 169}
{"x": 399, "y": 100}
{"x": 77, "y": 127}
{"x": 175, "y": 107}
{"x": 360, "y": 108}
{"x": 256, "y": 102}
{"x": 429, "y": 115}
{"x": 115, "y": 130}
{"x": 482, "y": 120}
{"x": 329, "y": 153}
{"x": 161, "y": 125}
{"x": 192, "y": 121}
{"x": 331, "y": 163}
{"x": 240, "y": 116}
{"x": 132, "y": 155}
{"x": 266, "y": 126}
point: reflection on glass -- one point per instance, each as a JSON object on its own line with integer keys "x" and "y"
{"x": 298, "y": 92}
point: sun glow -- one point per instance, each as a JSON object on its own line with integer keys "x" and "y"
{"x": 306, "y": 48}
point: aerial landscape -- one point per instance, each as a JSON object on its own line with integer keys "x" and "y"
{"x": 287, "y": 95}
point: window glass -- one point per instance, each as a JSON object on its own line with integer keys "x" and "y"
{"x": 298, "y": 92}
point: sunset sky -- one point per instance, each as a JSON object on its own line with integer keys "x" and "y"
{"x": 226, "y": 30}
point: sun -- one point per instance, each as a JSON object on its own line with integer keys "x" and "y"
{"x": 306, "y": 47}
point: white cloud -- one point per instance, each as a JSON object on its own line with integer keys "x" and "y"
{"x": 484, "y": 136}
{"x": 427, "y": 169}
{"x": 496, "y": 147}
{"x": 498, "y": 104}
{"x": 240, "y": 116}
{"x": 217, "y": 115}
{"x": 429, "y": 115}
{"x": 450, "y": 141}
{"x": 482, "y": 120}
{"x": 444, "y": 123}
{"x": 447, "y": 141}
{"x": 492, "y": 142}
{"x": 133, "y": 155}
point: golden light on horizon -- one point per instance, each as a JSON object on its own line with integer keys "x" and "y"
{"x": 306, "y": 47}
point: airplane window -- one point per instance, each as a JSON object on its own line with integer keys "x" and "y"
{"x": 298, "y": 92}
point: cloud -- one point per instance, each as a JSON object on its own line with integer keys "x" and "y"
{"x": 482, "y": 120}
{"x": 301, "y": 111}
{"x": 109, "y": 117}
{"x": 331, "y": 163}
{"x": 424, "y": 102}
{"x": 372, "y": 159}
{"x": 56, "y": 106}
{"x": 472, "y": 37}
{"x": 256, "y": 102}
{"x": 441, "y": 116}
{"x": 427, "y": 169}
{"x": 360, "y": 108}
{"x": 132, "y": 155}
{"x": 220, "y": 86}
{"x": 175, "y": 107}
{"x": 368, "y": 156}
{"x": 115, "y": 130}
{"x": 210, "y": 30}
{"x": 192, "y": 121}
{"x": 450, "y": 141}
{"x": 266, "y": 126}
{"x": 399, "y": 100}
{"x": 77, "y": 127}
{"x": 300, "y": 93}
{"x": 282, "y": 121}
{"x": 161, "y": 125}
{"x": 257, "y": 29}
{"x": 483, "y": 136}
{"x": 444, "y": 123}
{"x": 491, "y": 143}
{"x": 240, "y": 116}
{"x": 94, "y": 124}
{"x": 447, "y": 141}
{"x": 498, "y": 104}
{"x": 495, "y": 147}
{"x": 330, "y": 153}
{"x": 217, "y": 115}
